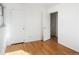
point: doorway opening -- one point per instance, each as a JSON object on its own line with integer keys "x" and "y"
{"x": 54, "y": 26}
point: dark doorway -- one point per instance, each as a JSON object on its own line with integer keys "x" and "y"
{"x": 54, "y": 25}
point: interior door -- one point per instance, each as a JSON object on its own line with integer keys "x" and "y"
{"x": 53, "y": 24}
{"x": 17, "y": 26}
{"x": 46, "y": 26}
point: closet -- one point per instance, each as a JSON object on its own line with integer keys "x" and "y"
{"x": 15, "y": 24}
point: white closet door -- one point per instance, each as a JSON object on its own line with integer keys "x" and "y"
{"x": 46, "y": 26}
{"x": 17, "y": 26}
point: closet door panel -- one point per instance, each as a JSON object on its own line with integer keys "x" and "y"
{"x": 17, "y": 26}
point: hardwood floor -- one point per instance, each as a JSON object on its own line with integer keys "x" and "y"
{"x": 49, "y": 47}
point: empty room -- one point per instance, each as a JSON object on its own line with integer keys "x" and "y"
{"x": 39, "y": 29}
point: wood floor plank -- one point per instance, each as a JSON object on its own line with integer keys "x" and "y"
{"x": 14, "y": 48}
{"x": 49, "y": 47}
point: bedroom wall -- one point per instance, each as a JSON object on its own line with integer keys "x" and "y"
{"x": 23, "y": 22}
{"x": 68, "y": 21}
{"x": 33, "y": 18}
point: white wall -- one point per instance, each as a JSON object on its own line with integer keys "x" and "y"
{"x": 19, "y": 16}
{"x": 68, "y": 29}
{"x": 33, "y": 14}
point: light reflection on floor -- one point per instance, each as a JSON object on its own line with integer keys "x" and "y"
{"x": 18, "y": 52}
